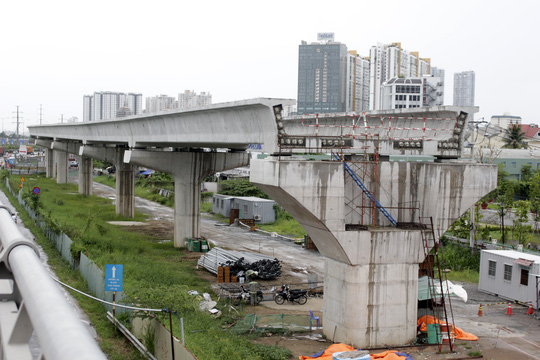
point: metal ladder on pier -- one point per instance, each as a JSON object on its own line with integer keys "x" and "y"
{"x": 366, "y": 191}
{"x": 443, "y": 311}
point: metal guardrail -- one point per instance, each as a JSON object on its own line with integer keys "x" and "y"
{"x": 30, "y": 302}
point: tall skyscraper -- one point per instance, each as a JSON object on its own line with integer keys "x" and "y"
{"x": 391, "y": 61}
{"x": 330, "y": 79}
{"x": 357, "y": 96}
{"x": 105, "y": 105}
{"x": 464, "y": 83}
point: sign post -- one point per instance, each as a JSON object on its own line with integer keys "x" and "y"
{"x": 114, "y": 279}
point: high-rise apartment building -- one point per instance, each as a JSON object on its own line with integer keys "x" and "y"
{"x": 160, "y": 103}
{"x": 189, "y": 99}
{"x": 331, "y": 79}
{"x": 391, "y": 61}
{"x": 464, "y": 83}
{"x": 105, "y": 105}
{"x": 357, "y": 96}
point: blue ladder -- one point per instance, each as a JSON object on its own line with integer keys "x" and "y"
{"x": 366, "y": 191}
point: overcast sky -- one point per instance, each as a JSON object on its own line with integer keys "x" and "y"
{"x": 54, "y": 52}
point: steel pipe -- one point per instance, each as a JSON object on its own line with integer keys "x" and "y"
{"x": 60, "y": 332}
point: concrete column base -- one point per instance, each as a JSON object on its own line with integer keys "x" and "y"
{"x": 369, "y": 305}
{"x": 125, "y": 187}
{"x": 85, "y": 176}
{"x": 49, "y": 163}
{"x": 61, "y": 158}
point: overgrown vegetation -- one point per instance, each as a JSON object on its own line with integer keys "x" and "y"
{"x": 156, "y": 274}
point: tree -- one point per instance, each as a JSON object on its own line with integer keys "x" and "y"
{"x": 514, "y": 138}
{"x": 241, "y": 187}
{"x": 522, "y": 231}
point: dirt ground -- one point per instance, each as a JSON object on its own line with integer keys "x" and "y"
{"x": 501, "y": 336}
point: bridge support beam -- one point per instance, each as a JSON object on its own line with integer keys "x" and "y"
{"x": 371, "y": 276}
{"x": 61, "y": 158}
{"x": 85, "y": 176}
{"x": 49, "y": 163}
{"x": 188, "y": 170}
{"x": 125, "y": 177}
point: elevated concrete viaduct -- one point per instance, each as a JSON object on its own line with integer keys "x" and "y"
{"x": 188, "y": 144}
{"x": 371, "y": 267}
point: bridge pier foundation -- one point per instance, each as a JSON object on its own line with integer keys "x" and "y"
{"x": 85, "y": 176}
{"x": 61, "y": 158}
{"x": 371, "y": 271}
{"x": 188, "y": 170}
{"x": 49, "y": 163}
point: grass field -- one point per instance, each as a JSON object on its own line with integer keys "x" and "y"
{"x": 155, "y": 273}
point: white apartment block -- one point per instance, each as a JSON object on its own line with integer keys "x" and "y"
{"x": 160, "y": 103}
{"x": 391, "y": 61}
{"x": 189, "y": 99}
{"x": 504, "y": 121}
{"x": 357, "y": 89}
{"x": 411, "y": 92}
{"x": 105, "y": 105}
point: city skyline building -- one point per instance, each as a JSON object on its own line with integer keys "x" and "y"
{"x": 392, "y": 61}
{"x": 412, "y": 92}
{"x": 357, "y": 96}
{"x": 159, "y": 103}
{"x": 105, "y": 105}
{"x": 189, "y": 99}
{"x": 464, "y": 88}
{"x": 330, "y": 78}
{"x": 505, "y": 120}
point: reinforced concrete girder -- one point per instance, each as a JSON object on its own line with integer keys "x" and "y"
{"x": 233, "y": 125}
{"x": 371, "y": 276}
{"x": 188, "y": 170}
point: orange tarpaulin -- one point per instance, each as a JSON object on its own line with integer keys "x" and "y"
{"x": 459, "y": 334}
{"x": 332, "y": 349}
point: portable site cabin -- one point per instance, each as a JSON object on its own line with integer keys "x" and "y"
{"x": 261, "y": 210}
{"x": 511, "y": 275}
{"x": 221, "y": 204}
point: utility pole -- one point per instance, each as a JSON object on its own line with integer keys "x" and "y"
{"x": 40, "y": 114}
{"x": 18, "y": 122}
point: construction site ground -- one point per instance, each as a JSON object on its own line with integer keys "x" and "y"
{"x": 501, "y": 336}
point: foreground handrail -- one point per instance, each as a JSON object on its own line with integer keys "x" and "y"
{"x": 36, "y": 303}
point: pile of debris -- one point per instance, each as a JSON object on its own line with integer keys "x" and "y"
{"x": 240, "y": 262}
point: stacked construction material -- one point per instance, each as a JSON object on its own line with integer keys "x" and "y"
{"x": 240, "y": 262}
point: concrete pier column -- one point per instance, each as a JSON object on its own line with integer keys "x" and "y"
{"x": 125, "y": 186}
{"x": 371, "y": 272}
{"x": 49, "y": 163}
{"x": 61, "y": 158}
{"x": 188, "y": 170}
{"x": 85, "y": 176}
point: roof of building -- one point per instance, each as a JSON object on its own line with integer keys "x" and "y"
{"x": 530, "y": 130}
{"x": 516, "y": 255}
{"x": 404, "y": 81}
{"x": 505, "y": 117}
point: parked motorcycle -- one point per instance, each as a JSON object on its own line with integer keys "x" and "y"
{"x": 295, "y": 295}
{"x": 245, "y": 297}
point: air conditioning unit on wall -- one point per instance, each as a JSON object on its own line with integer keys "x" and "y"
{"x": 257, "y": 217}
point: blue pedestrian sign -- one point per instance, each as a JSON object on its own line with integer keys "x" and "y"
{"x": 113, "y": 277}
